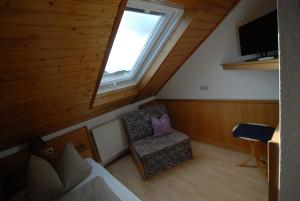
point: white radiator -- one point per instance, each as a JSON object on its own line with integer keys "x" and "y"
{"x": 110, "y": 140}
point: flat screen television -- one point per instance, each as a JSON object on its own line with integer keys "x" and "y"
{"x": 260, "y": 36}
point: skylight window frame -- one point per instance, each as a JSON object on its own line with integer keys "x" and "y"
{"x": 164, "y": 28}
{"x": 149, "y": 45}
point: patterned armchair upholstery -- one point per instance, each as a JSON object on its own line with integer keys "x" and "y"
{"x": 154, "y": 153}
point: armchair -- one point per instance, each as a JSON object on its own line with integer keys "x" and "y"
{"x": 154, "y": 154}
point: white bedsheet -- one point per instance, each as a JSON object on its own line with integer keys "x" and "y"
{"x": 119, "y": 189}
{"x": 97, "y": 170}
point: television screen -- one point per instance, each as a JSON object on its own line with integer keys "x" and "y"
{"x": 260, "y": 35}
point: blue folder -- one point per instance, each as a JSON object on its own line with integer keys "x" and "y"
{"x": 254, "y": 131}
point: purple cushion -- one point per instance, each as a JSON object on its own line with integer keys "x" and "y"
{"x": 161, "y": 126}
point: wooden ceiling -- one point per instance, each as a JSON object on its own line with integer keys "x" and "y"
{"x": 52, "y": 54}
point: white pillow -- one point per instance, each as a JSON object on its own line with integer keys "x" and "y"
{"x": 70, "y": 167}
{"x": 43, "y": 182}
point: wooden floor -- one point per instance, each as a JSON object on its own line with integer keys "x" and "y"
{"x": 211, "y": 176}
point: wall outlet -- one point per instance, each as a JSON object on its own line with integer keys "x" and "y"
{"x": 204, "y": 87}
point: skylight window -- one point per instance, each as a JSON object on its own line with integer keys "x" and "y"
{"x": 133, "y": 34}
{"x": 143, "y": 31}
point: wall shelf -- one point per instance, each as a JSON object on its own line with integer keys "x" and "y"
{"x": 253, "y": 65}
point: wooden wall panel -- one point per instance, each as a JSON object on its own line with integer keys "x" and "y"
{"x": 212, "y": 121}
{"x": 52, "y": 55}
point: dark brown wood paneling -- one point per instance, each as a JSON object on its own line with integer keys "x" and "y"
{"x": 52, "y": 55}
{"x": 212, "y": 121}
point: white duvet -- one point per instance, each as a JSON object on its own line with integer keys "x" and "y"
{"x": 119, "y": 189}
{"x": 97, "y": 170}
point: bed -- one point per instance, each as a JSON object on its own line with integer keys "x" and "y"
{"x": 16, "y": 181}
{"x": 118, "y": 188}
{"x": 97, "y": 171}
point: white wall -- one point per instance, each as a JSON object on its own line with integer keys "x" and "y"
{"x": 289, "y": 30}
{"x": 92, "y": 123}
{"x": 222, "y": 46}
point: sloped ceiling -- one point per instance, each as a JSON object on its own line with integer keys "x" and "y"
{"x": 52, "y": 53}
